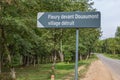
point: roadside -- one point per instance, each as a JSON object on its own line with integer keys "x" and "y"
{"x": 82, "y": 69}
{"x": 113, "y": 56}
{"x": 94, "y": 70}
{"x": 98, "y": 71}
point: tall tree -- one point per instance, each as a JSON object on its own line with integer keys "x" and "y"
{"x": 117, "y": 34}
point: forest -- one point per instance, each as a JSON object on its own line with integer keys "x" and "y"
{"x": 109, "y": 45}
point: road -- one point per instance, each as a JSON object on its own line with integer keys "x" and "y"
{"x": 112, "y": 64}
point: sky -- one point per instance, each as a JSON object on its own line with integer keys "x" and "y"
{"x": 110, "y": 16}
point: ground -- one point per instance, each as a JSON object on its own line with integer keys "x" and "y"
{"x": 98, "y": 71}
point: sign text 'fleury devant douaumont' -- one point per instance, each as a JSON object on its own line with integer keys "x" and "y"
{"x": 68, "y": 19}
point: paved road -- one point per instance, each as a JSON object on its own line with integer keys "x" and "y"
{"x": 112, "y": 64}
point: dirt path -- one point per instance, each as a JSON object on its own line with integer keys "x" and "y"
{"x": 98, "y": 71}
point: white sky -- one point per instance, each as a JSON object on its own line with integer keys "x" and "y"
{"x": 110, "y": 16}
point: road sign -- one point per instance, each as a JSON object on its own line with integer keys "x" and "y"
{"x": 68, "y": 19}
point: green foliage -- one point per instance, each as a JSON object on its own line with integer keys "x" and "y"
{"x": 19, "y": 20}
{"x": 68, "y": 56}
{"x": 16, "y": 60}
{"x": 88, "y": 38}
{"x": 117, "y": 34}
{"x": 109, "y": 45}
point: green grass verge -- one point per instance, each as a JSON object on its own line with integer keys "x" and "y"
{"x": 113, "y": 56}
{"x": 42, "y": 71}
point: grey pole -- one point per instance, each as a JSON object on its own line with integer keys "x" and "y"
{"x": 76, "y": 57}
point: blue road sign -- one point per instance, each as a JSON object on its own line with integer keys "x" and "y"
{"x": 68, "y": 19}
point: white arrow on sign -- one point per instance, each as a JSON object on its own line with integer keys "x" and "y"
{"x": 38, "y": 17}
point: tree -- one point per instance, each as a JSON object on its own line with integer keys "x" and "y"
{"x": 88, "y": 38}
{"x": 14, "y": 28}
{"x": 117, "y": 34}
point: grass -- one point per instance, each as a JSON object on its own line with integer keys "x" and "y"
{"x": 113, "y": 56}
{"x": 42, "y": 71}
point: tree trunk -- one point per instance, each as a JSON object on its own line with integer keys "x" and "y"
{"x": 114, "y": 52}
{"x": 60, "y": 52}
{"x": 80, "y": 57}
{"x": 55, "y": 57}
{"x": 61, "y": 56}
{"x": 87, "y": 56}
{"x": 38, "y": 60}
{"x": 6, "y": 54}
{"x": 52, "y": 57}
{"x": 0, "y": 60}
{"x": 28, "y": 61}
{"x": 34, "y": 61}
{"x": 41, "y": 59}
{"x": 24, "y": 60}
{"x": 0, "y": 67}
{"x": 21, "y": 60}
{"x": 0, "y": 51}
{"x": 13, "y": 74}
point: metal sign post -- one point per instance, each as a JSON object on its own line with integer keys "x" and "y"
{"x": 76, "y": 60}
